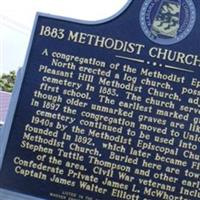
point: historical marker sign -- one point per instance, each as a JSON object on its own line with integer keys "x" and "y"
{"x": 109, "y": 110}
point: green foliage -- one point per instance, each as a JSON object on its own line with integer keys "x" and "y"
{"x": 7, "y": 81}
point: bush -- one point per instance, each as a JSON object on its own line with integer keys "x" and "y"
{"x": 7, "y": 81}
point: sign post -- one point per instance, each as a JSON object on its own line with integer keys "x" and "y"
{"x": 108, "y": 110}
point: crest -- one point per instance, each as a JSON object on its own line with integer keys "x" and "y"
{"x": 166, "y": 21}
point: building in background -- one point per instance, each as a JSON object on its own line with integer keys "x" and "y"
{"x": 4, "y": 104}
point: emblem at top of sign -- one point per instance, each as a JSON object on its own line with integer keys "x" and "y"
{"x": 167, "y": 21}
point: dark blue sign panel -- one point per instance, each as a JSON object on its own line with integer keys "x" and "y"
{"x": 108, "y": 110}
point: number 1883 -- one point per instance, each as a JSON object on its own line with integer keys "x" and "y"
{"x": 48, "y": 31}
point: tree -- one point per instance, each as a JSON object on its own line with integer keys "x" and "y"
{"x": 7, "y": 81}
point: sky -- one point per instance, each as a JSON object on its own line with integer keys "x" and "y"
{"x": 17, "y": 17}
